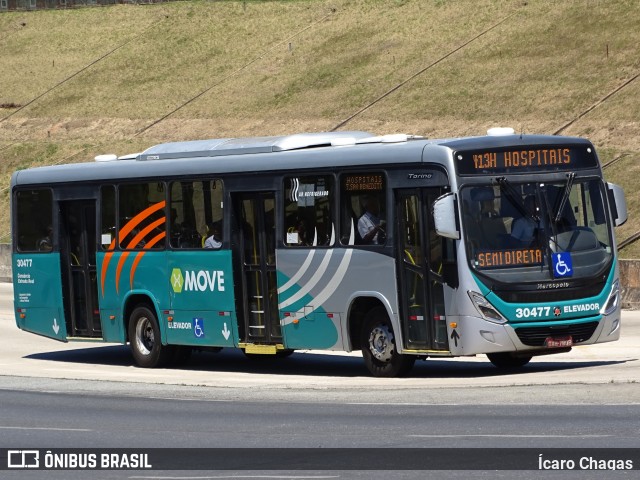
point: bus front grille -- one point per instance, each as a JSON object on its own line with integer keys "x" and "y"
{"x": 535, "y": 336}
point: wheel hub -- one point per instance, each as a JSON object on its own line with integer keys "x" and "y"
{"x": 381, "y": 343}
{"x": 144, "y": 336}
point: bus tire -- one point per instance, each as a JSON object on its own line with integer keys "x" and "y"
{"x": 508, "y": 360}
{"x": 146, "y": 344}
{"x": 379, "y": 346}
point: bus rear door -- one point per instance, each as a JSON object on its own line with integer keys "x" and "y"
{"x": 78, "y": 264}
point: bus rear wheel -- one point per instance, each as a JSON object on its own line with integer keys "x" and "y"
{"x": 379, "y": 347}
{"x": 146, "y": 344}
{"x": 508, "y": 360}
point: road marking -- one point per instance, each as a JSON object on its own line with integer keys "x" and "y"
{"x": 47, "y": 428}
{"x": 508, "y": 436}
{"x": 286, "y": 477}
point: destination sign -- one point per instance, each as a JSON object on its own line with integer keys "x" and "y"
{"x": 363, "y": 183}
{"x": 509, "y": 258}
{"x": 522, "y": 160}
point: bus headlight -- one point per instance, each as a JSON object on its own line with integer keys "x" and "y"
{"x": 612, "y": 302}
{"x": 485, "y": 309}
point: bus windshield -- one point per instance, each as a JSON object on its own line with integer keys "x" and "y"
{"x": 537, "y": 231}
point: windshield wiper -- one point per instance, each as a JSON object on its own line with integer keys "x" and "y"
{"x": 565, "y": 196}
{"x": 516, "y": 200}
{"x": 549, "y": 237}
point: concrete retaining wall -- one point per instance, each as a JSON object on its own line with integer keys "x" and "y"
{"x": 630, "y": 281}
{"x": 629, "y": 277}
{"x": 5, "y": 262}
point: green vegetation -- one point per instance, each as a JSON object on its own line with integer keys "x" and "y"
{"x": 274, "y": 67}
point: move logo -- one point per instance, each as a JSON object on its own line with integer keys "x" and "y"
{"x": 197, "y": 281}
{"x": 177, "y": 280}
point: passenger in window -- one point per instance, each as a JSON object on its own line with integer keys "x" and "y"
{"x": 524, "y": 228}
{"x": 300, "y": 233}
{"x": 370, "y": 225}
{"x": 214, "y": 239}
{"x": 45, "y": 244}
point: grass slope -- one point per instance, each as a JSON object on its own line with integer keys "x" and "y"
{"x": 236, "y": 68}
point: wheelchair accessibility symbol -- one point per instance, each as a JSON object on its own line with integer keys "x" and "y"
{"x": 562, "y": 265}
{"x": 198, "y": 328}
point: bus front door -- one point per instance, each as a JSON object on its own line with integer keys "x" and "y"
{"x": 78, "y": 263}
{"x": 420, "y": 259}
{"x": 255, "y": 257}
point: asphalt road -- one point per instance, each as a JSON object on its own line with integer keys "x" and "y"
{"x": 612, "y": 370}
{"x": 55, "y": 395}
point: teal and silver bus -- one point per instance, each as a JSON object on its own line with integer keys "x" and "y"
{"x": 399, "y": 246}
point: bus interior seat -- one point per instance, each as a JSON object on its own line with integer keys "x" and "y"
{"x": 489, "y": 222}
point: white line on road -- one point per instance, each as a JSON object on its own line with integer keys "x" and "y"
{"x": 285, "y": 477}
{"x": 507, "y": 436}
{"x": 47, "y": 428}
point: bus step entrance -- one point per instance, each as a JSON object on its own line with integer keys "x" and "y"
{"x": 257, "y": 349}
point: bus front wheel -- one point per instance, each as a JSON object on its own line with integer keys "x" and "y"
{"x": 379, "y": 347}
{"x": 508, "y": 360}
{"x": 144, "y": 335}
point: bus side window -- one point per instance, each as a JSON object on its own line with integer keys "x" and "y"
{"x": 142, "y": 221}
{"x": 364, "y": 212}
{"x": 308, "y": 211}
{"x": 34, "y": 220}
{"x": 195, "y": 208}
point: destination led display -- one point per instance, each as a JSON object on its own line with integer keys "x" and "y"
{"x": 524, "y": 160}
{"x": 509, "y": 258}
{"x": 363, "y": 183}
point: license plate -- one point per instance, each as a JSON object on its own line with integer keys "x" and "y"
{"x": 558, "y": 342}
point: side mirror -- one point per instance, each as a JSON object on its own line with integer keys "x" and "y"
{"x": 445, "y": 216}
{"x": 618, "y": 204}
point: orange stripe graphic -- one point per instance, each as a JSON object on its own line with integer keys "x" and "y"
{"x": 150, "y": 244}
{"x": 124, "y": 231}
{"x": 133, "y": 243}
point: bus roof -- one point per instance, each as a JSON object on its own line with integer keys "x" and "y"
{"x": 241, "y": 146}
{"x": 292, "y": 152}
